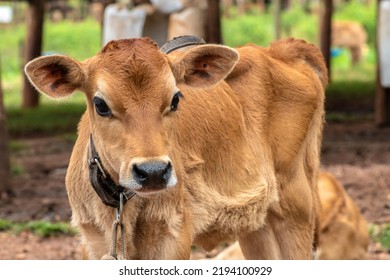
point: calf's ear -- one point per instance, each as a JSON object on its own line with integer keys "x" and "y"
{"x": 55, "y": 75}
{"x": 205, "y": 65}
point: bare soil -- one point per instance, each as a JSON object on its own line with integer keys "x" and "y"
{"x": 357, "y": 153}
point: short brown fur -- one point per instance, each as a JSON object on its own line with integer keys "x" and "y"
{"x": 343, "y": 232}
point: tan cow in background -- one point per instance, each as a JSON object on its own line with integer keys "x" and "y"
{"x": 343, "y": 229}
{"x": 236, "y": 158}
{"x": 343, "y": 232}
{"x": 352, "y": 36}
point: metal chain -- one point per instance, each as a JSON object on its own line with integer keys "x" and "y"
{"x": 118, "y": 222}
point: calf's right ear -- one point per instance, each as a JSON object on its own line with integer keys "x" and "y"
{"x": 55, "y": 75}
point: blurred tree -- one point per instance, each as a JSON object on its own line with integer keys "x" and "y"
{"x": 5, "y": 167}
{"x": 32, "y": 47}
{"x": 326, "y": 32}
{"x": 213, "y": 22}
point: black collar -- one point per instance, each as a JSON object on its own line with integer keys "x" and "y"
{"x": 102, "y": 183}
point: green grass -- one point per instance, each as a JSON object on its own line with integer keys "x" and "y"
{"x": 381, "y": 234}
{"x": 70, "y": 137}
{"x": 342, "y": 117}
{"x": 46, "y": 119}
{"x": 16, "y": 146}
{"x": 79, "y": 40}
{"x": 5, "y": 225}
{"x": 16, "y": 169}
{"x": 39, "y": 228}
{"x": 350, "y": 89}
{"x": 253, "y": 27}
{"x": 11, "y": 51}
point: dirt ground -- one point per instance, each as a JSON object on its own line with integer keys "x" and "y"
{"x": 357, "y": 153}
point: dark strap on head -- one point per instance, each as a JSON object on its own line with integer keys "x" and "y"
{"x": 181, "y": 42}
{"x": 102, "y": 183}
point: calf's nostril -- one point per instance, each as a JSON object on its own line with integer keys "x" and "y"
{"x": 139, "y": 174}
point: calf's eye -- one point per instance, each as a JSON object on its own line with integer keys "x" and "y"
{"x": 101, "y": 107}
{"x": 175, "y": 101}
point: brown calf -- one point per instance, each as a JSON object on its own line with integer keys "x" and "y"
{"x": 236, "y": 159}
{"x": 343, "y": 230}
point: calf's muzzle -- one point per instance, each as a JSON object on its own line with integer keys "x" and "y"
{"x": 153, "y": 174}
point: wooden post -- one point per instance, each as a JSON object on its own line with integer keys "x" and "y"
{"x": 382, "y": 96}
{"x": 326, "y": 32}
{"x": 382, "y": 102}
{"x": 5, "y": 166}
{"x": 33, "y": 47}
{"x": 213, "y": 22}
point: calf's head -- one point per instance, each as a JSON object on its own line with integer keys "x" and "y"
{"x": 132, "y": 95}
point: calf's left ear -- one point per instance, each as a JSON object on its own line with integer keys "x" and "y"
{"x": 55, "y": 75}
{"x": 204, "y": 65}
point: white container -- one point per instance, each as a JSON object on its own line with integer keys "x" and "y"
{"x": 6, "y": 14}
{"x": 167, "y": 6}
{"x": 384, "y": 42}
{"x": 122, "y": 23}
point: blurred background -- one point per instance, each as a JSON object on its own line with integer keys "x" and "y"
{"x": 37, "y": 134}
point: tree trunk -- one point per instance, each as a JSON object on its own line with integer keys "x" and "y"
{"x": 326, "y": 32}
{"x": 213, "y": 22}
{"x": 5, "y": 166}
{"x": 382, "y": 103}
{"x": 33, "y": 47}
